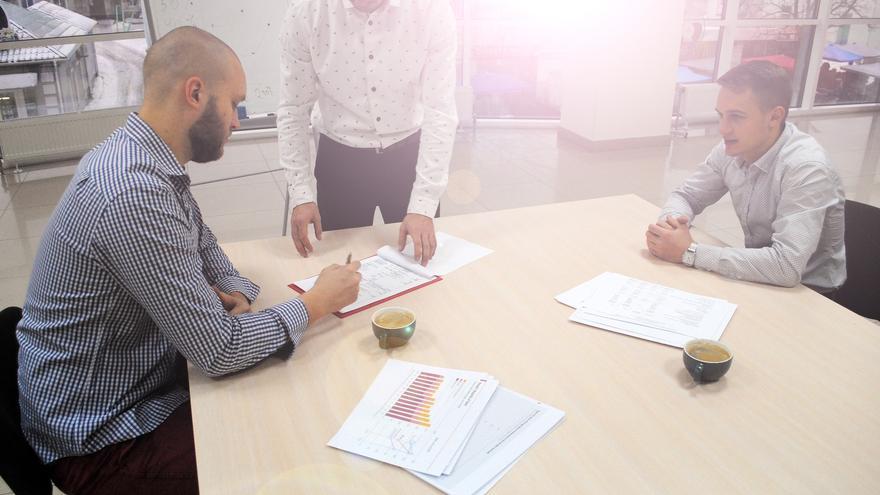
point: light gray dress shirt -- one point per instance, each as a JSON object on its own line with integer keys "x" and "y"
{"x": 790, "y": 205}
{"x": 373, "y": 80}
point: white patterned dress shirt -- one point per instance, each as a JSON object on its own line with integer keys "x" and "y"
{"x": 373, "y": 80}
{"x": 790, "y": 204}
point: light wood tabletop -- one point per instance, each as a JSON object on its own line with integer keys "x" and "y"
{"x": 799, "y": 411}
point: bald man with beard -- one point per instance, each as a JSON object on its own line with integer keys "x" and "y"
{"x": 129, "y": 284}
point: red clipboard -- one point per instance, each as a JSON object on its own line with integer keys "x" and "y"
{"x": 340, "y": 314}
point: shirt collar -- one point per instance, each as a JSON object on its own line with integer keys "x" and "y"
{"x": 143, "y": 134}
{"x": 768, "y": 159}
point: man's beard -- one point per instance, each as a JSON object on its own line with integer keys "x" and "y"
{"x": 207, "y": 135}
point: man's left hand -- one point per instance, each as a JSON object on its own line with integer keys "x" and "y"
{"x": 421, "y": 229}
{"x": 234, "y": 303}
{"x": 669, "y": 240}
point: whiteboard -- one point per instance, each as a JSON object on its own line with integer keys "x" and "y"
{"x": 250, "y": 28}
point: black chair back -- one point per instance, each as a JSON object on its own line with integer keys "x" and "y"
{"x": 20, "y": 467}
{"x": 861, "y": 291}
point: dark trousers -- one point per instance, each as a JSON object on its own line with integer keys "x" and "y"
{"x": 352, "y": 182}
{"x": 162, "y": 461}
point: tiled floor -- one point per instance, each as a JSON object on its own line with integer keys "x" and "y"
{"x": 492, "y": 168}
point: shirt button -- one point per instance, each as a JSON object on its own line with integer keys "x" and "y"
{"x": 371, "y": 57}
{"x": 373, "y": 89}
{"x": 378, "y": 119}
{"x": 370, "y": 23}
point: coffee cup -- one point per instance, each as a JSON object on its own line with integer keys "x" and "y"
{"x": 393, "y": 326}
{"x": 706, "y": 360}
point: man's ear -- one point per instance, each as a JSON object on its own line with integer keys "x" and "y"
{"x": 777, "y": 115}
{"x": 193, "y": 92}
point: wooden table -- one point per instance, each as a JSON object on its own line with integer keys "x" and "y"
{"x": 799, "y": 412}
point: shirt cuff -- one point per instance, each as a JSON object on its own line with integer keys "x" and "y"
{"x": 239, "y": 284}
{"x": 423, "y": 206}
{"x": 300, "y": 194}
{"x": 294, "y": 317}
{"x": 708, "y": 258}
{"x": 671, "y": 213}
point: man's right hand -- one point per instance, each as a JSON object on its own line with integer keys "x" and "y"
{"x": 337, "y": 287}
{"x": 300, "y": 219}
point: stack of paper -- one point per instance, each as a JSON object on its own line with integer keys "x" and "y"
{"x": 451, "y": 254}
{"x": 649, "y": 311}
{"x": 455, "y": 429}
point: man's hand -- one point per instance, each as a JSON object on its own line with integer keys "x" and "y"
{"x": 669, "y": 239}
{"x": 682, "y": 220}
{"x": 421, "y": 229}
{"x": 234, "y": 303}
{"x": 300, "y": 219}
{"x": 337, "y": 287}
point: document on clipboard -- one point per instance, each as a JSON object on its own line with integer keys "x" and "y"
{"x": 381, "y": 280}
{"x": 391, "y": 273}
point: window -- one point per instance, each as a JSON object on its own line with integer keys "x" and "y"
{"x": 52, "y": 18}
{"x": 516, "y": 60}
{"x": 101, "y": 71}
{"x": 704, "y": 9}
{"x": 855, "y": 9}
{"x": 716, "y": 37}
{"x": 850, "y": 68}
{"x": 778, "y": 9}
{"x": 699, "y": 53}
{"x": 785, "y": 46}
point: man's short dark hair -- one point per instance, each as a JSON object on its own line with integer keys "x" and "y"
{"x": 767, "y": 81}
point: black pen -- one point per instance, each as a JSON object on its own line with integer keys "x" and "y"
{"x": 348, "y": 260}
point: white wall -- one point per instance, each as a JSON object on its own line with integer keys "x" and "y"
{"x": 250, "y": 28}
{"x": 620, "y": 82}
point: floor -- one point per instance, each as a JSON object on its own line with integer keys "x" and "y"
{"x": 492, "y": 168}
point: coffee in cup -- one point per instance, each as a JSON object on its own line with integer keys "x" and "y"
{"x": 706, "y": 360}
{"x": 393, "y": 326}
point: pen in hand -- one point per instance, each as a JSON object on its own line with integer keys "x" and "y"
{"x": 348, "y": 259}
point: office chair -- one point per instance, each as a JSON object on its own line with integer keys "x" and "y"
{"x": 20, "y": 467}
{"x": 861, "y": 291}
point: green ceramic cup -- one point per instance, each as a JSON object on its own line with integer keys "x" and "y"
{"x": 393, "y": 326}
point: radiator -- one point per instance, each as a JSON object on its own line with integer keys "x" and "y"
{"x": 56, "y": 137}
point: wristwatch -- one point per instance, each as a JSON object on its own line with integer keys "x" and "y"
{"x": 690, "y": 256}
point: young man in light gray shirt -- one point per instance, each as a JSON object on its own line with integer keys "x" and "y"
{"x": 787, "y": 196}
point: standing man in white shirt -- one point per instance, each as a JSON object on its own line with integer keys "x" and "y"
{"x": 788, "y": 197}
{"x": 380, "y": 77}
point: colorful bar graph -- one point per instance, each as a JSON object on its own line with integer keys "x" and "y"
{"x": 415, "y": 403}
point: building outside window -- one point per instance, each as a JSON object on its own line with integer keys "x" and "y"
{"x": 74, "y": 76}
{"x": 513, "y": 56}
{"x": 831, "y": 48}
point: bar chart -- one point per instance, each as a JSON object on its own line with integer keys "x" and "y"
{"x": 416, "y": 416}
{"x": 415, "y": 403}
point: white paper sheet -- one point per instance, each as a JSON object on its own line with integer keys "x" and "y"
{"x": 416, "y": 416}
{"x": 380, "y": 279}
{"x": 650, "y": 311}
{"x": 452, "y": 253}
{"x": 509, "y": 426}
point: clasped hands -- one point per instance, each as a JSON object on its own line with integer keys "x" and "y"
{"x": 669, "y": 238}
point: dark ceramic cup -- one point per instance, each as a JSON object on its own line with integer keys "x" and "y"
{"x": 706, "y": 360}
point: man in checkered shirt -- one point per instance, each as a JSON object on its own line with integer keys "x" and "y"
{"x": 129, "y": 284}
{"x": 788, "y": 197}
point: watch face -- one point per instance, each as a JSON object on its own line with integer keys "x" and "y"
{"x": 688, "y": 257}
